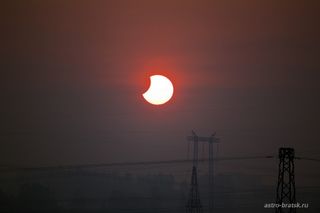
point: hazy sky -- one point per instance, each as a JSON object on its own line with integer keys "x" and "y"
{"x": 73, "y": 74}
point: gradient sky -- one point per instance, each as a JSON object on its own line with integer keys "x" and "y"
{"x": 73, "y": 74}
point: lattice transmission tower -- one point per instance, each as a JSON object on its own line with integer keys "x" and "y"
{"x": 286, "y": 190}
{"x": 194, "y": 203}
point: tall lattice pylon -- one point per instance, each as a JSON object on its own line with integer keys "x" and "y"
{"x": 286, "y": 191}
{"x": 194, "y": 204}
{"x": 211, "y": 140}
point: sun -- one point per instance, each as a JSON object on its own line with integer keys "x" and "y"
{"x": 160, "y": 90}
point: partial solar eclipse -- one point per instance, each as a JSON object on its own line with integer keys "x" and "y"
{"x": 160, "y": 90}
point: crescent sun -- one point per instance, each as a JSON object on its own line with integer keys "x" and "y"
{"x": 160, "y": 90}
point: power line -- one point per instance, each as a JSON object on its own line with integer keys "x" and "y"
{"x": 101, "y": 165}
{"x": 304, "y": 158}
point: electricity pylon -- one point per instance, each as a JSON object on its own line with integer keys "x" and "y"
{"x": 194, "y": 204}
{"x": 286, "y": 190}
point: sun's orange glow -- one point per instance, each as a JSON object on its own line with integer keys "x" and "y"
{"x": 160, "y": 90}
